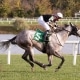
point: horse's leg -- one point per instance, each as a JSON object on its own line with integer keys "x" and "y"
{"x": 31, "y": 56}
{"x": 50, "y": 58}
{"x": 62, "y": 58}
{"x": 25, "y": 57}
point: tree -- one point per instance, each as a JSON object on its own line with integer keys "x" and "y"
{"x": 68, "y": 7}
{"x": 4, "y": 8}
{"x": 17, "y": 9}
{"x": 36, "y": 7}
{"x": 44, "y": 6}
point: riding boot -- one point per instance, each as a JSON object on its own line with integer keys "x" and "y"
{"x": 47, "y": 34}
{"x": 46, "y": 40}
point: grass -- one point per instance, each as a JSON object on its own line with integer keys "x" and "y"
{"x": 20, "y": 70}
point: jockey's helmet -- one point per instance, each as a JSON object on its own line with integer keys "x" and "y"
{"x": 59, "y": 14}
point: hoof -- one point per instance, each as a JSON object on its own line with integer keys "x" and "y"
{"x": 56, "y": 70}
{"x": 32, "y": 69}
{"x": 44, "y": 67}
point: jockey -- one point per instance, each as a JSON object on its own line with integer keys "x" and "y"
{"x": 44, "y": 20}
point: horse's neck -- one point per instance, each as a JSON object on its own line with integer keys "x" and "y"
{"x": 63, "y": 35}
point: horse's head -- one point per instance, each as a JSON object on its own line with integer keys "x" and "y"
{"x": 74, "y": 30}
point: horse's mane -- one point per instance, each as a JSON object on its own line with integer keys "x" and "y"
{"x": 59, "y": 29}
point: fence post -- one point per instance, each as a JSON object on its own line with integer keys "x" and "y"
{"x": 9, "y": 55}
{"x": 75, "y": 51}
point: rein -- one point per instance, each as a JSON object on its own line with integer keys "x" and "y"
{"x": 59, "y": 40}
{"x": 66, "y": 30}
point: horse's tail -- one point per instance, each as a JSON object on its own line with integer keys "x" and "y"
{"x": 6, "y": 43}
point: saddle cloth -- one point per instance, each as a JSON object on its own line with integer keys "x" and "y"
{"x": 39, "y": 36}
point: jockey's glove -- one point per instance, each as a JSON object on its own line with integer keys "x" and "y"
{"x": 55, "y": 24}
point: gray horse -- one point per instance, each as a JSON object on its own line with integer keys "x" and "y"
{"x": 56, "y": 41}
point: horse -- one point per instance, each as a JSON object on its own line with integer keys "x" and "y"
{"x": 56, "y": 41}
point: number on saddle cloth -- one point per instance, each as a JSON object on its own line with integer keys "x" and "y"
{"x": 39, "y": 36}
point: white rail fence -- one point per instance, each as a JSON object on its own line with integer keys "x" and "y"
{"x": 32, "y": 20}
{"x": 75, "y": 51}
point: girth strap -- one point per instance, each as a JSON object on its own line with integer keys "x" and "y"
{"x": 45, "y": 45}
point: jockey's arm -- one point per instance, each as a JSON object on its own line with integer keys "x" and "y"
{"x": 53, "y": 24}
{"x": 51, "y": 19}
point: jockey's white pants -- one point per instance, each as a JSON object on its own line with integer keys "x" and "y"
{"x": 43, "y": 23}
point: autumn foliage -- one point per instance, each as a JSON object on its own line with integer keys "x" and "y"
{"x": 35, "y": 8}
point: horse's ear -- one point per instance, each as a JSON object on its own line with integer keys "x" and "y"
{"x": 66, "y": 25}
{"x": 71, "y": 24}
